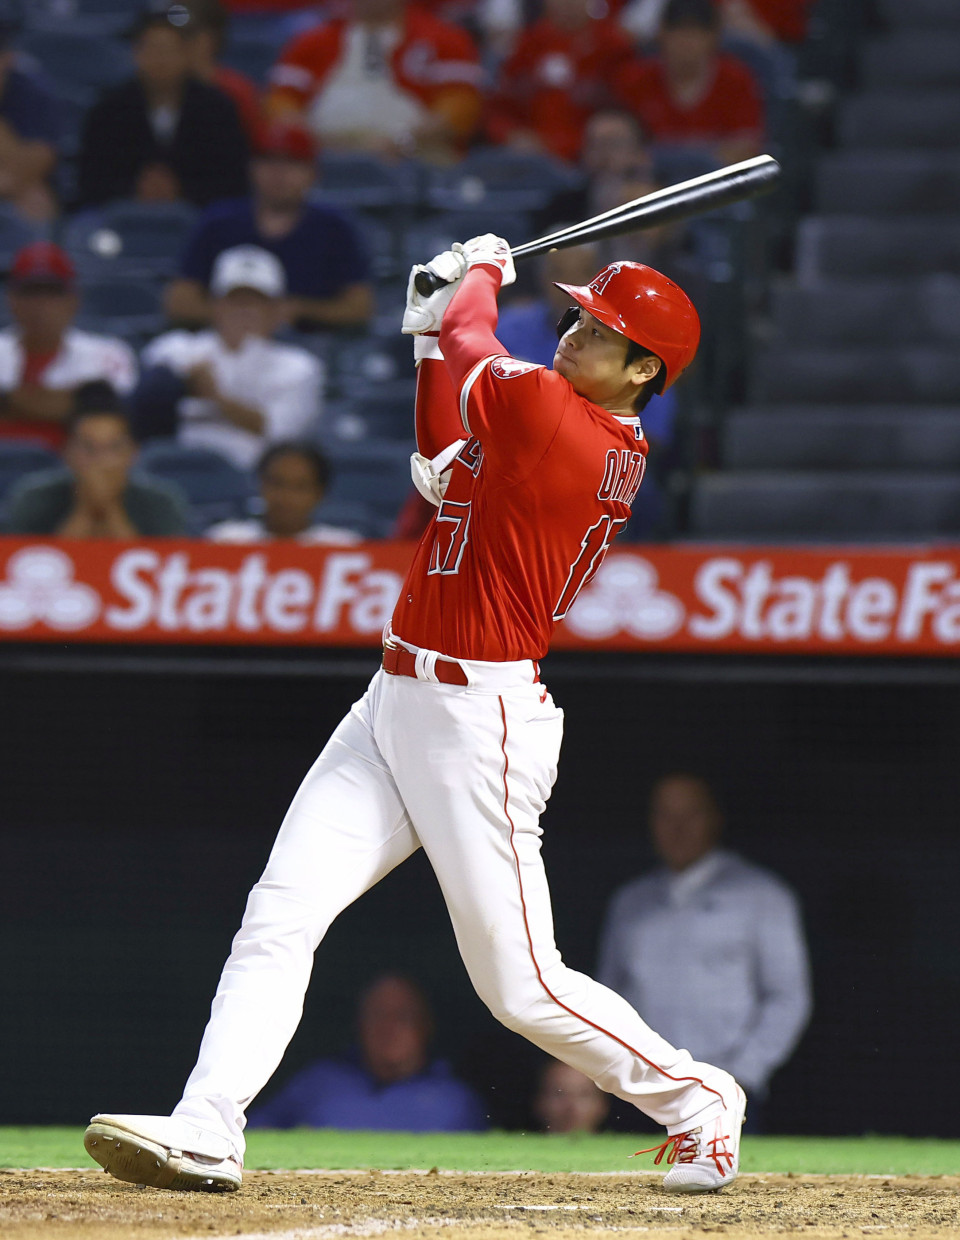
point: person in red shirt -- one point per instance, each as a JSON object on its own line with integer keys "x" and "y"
{"x": 691, "y": 93}
{"x": 392, "y": 80}
{"x": 558, "y": 75}
{"x": 206, "y": 31}
{"x": 454, "y": 746}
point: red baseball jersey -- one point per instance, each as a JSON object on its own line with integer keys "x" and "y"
{"x": 541, "y": 487}
{"x": 731, "y": 107}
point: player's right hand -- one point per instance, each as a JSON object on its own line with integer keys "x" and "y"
{"x": 492, "y": 251}
{"x": 425, "y": 314}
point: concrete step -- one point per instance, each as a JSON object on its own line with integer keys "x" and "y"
{"x": 924, "y": 311}
{"x": 911, "y": 58}
{"x": 888, "y": 183}
{"x": 861, "y": 507}
{"x": 855, "y": 246}
{"x": 815, "y": 437}
{"x": 845, "y": 375}
{"x": 888, "y": 119}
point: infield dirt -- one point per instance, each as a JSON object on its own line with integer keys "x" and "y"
{"x": 88, "y": 1205}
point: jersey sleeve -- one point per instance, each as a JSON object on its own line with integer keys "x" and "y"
{"x": 438, "y": 415}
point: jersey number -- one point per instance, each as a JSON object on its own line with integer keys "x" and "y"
{"x": 453, "y": 522}
{"x": 594, "y": 547}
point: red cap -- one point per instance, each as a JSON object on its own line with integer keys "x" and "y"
{"x": 646, "y": 307}
{"x": 287, "y": 138}
{"x": 42, "y": 262}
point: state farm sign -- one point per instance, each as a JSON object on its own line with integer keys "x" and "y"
{"x": 695, "y": 599}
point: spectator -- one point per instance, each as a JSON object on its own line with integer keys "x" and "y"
{"x": 29, "y": 132}
{"x": 558, "y": 75}
{"x": 326, "y": 265}
{"x": 206, "y": 32}
{"x": 233, "y": 388}
{"x": 709, "y": 944}
{"x": 761, "y": 21}
{"x": 293, "y": 480}
{"x": 390, "y": 79}
{"x": 162, "y": 136}
{"x": 95, "y": 495}
{"x": 389, "y": 1082}
{"x": 691, "y": 94}
{"x": 568, "y": 1101}
{"x": 43, "y": 358}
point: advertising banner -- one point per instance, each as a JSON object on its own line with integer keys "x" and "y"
{"x": 692, "y": 599}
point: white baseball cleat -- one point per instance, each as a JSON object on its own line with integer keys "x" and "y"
{"x": 164, "y": 1152}
{"x": 707, "y": 1158}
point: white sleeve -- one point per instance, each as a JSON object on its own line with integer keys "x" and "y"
{"x": 292, "y": 402}
{"x": 178, "y": 350}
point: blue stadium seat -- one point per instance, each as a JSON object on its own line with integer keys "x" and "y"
{"x": 500, "y": 179}
{"x": 371, "y": 361}
{"x": 375, "y": 474}
{"x": 349, "y": 515}
{"x": 216, "y": 489}
{"x": 81, "y": 63}
{"x": 129, "y": 308}
{"x": 437, "y": 233}
{"x": 372, "y": 413}
{"x": 19, "y": 458}
{"x": 14, "y": 233}
{"x": 354, "y": 180}
{"x": 101, "y": 17}
{"x": 251, "y": 55}
{"x": 143, "y": 240}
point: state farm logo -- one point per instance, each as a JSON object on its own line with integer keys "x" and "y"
{"x": 511, "y": 368}
{"x": 625, "y": 596}
{"x": 40, "y": 589}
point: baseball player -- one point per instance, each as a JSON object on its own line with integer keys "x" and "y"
{"x": 454, "y": 746}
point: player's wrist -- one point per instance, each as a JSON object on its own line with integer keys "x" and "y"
{"x": 426, "y": 347}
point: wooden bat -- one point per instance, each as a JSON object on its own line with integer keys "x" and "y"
{"x": 664, "y": 206}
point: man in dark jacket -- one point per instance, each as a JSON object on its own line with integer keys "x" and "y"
{"x": 163, "y": 135}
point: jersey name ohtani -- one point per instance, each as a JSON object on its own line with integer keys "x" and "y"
{"x": 622, "y": 476}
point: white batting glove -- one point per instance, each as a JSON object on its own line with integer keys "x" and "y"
{"x": 489, "y": 249}
{"x": 425, "y": 314}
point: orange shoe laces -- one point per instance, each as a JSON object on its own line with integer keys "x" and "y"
{"x": 686, "y": 1149}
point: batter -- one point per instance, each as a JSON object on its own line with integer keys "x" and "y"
{"x": 454, "y": 746}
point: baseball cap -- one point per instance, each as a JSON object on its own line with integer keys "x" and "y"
{"x": 247, "y": 266}
{"x": 287, "y": 138}
{"x": 42, "y": 262}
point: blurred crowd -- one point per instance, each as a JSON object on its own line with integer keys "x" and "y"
{"x": 208, "y": 209}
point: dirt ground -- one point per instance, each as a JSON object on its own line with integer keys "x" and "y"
{"x": 89, "y": 1205}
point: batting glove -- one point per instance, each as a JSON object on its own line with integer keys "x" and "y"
{"x": 425, "y": 314}
{"x": 490, "y": 250}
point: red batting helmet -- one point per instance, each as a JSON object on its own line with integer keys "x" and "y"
{"x": 647, "y": 308}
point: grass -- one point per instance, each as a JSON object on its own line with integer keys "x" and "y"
{"x": 500, "y": 1151}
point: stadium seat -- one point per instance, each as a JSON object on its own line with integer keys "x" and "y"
{"x": 817, "y": 437}
{"x": 14, "y": 233}
{"x": 99, "y": 17}
{"x": 911, "y": 58}
{"x": 371, "y": 360}
{"x": 920, "y": 311}
{"x": 354, "y": 180}
{"x": 132, "y": 239}
{"x": 251, "y": 55}
{"x": 385, "y": 413}
{"x": 19, "y": 458}
{"x": 425, "y": 239}
{"x": 920, "y": 13}
{"x": 350, "y": 515}
{"x": 884, "y": 119}
{"x": 80, "y": 63}
{"x": 129, "y": 308}
{"x": 889, "y": 247}
{"x": 870, "y": 507}
{"x": 500, "y": 179}
{"x": 216, "y": 489}
{"x": 875, "y": 374}
{"x": 888, "y": 183}
{"x": 375, "y": 474}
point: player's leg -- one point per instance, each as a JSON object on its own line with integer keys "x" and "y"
{"x": 345, "y": 829}
{"x": 476, "y": 798}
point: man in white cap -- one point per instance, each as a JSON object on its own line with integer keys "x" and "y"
{"x": 233, "y": 388}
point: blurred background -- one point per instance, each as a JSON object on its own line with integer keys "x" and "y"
{"x": 155, "y": 383}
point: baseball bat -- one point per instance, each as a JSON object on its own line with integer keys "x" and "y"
{"x": 664, "y": 206}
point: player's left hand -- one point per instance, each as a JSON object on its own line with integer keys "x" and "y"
{"x": 491, "y": 250}
{"x": 425, "y": 314}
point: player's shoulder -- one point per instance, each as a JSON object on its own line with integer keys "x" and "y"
{"x": 753, "y": 877}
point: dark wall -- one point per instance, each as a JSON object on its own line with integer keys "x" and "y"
{"x": 137, "y": 809}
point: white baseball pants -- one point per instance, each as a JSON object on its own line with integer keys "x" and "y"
{"x": 464, "y": 773}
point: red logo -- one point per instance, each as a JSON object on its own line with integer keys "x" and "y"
{"x": 511, "y": 367}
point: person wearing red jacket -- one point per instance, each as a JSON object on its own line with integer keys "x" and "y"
{"x": 558, "y": 75}
{"x": 391, "y": 79}
{"x": 691, "y": 93}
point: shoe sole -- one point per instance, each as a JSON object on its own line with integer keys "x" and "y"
{"x": 691, "y": 1189}
{"x": 129, "y": 1157}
